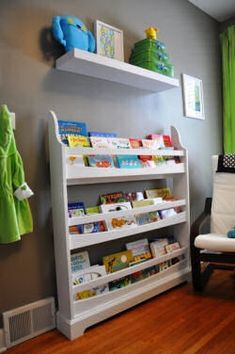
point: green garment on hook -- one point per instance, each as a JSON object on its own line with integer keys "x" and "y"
{"x": 15, "y": 214}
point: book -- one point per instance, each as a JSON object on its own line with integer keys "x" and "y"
{"x": 164, "y": 193}
{"x": 158, "y": 247}
{"x": 128, "y": 161}
{"x": 75, "y": 160}
{"x": 158, "y": 140}
{"x": 102, "y": 134}
{"x": 76, "y": 209}
{"x": 103, "y": 161}
{"x": 155, "y": 144}
{"x": 107, "y": 208}
{"x": 119, "y": 143}
{"x": 99, "y": 142}
{"x": 121, "y": 222}
{"x": 133, "y": 196}
{"x": 140, "y": 250}
{"x": 147, "y": 218}
{"x": 167, "y": 213}
{"x": 74, "y": 128}
{"x": 172, "y": 247}
{"x": 142, "y": 203}
{"x": 110, "y": 198}
{"x": 93, "y": 227}
{"x": 135, "y": 143}
{"x": 87, "y": 275}
{"x": 93, "y": 210}
{"x": 78, "y": 140}
{"x": 79, "y": 261}
{"x": 119, "y": 283}
{"x": 117, "y": 261}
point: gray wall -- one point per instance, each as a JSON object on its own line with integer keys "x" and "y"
{"x": 31, "y": 86}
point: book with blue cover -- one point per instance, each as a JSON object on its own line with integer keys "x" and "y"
{"x": 68, "y": 128}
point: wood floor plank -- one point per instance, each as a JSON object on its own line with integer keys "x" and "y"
{"x": 176, "y": 322}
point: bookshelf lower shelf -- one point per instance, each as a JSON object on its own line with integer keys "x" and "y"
{"x": 120, "y": 300}
{"x": 79, "y": 241}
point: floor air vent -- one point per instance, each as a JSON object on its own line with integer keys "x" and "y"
{"x": 28, "y": 321}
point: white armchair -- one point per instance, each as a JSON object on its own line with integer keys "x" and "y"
{"x": 214, "y": 248}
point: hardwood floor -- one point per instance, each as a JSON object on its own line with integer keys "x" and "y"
{"x": 176, "y": 322}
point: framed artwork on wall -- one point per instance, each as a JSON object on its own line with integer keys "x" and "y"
{"x": 193, "y": 97}
{"x": 109, "y": 41}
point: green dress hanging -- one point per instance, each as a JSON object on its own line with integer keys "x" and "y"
{"x": 15, "y": 214}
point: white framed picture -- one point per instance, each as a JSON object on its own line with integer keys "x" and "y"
{"x": 193, "y": 97}
{"x": 109, "y": 41}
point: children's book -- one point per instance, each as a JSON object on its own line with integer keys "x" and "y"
{"x": 117, "y": 261}
{"x": 147, "y": 218}
{"x": 164, "y": 193}
{"x": 89, "y": 228}
{"x": 110, "y": 198}
{"x": 140, "y": 250}
{"x": 158, "y": 247}
{"x": 78, "y": 140}
{"x": 99, "y": 142}
{"x": 107, "y": 208}
{"x": 135, "y": 143}
{"x": 93, "y": 210}
{"x": 121, "y": 222}
{"x": 172, "y": 247}
{"x": 128, "y": 161}
{"x": 76, "y": 209}
{"x": 67, "y": 128}
{"x": 142, "y": 203}
{"x": 103, "y": 161}
{"x": 79, "y": 261}
{"x": 119, "y": 143}
{"x": 102, "y": 134}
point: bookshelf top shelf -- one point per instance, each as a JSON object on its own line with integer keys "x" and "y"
{"x": 97, "y": 66}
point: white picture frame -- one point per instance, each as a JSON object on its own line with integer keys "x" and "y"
{"x": 193, "y": 97}
{"x": 109, "y": 41}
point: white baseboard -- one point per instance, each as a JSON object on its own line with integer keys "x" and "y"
{"x": 2, "y": 342}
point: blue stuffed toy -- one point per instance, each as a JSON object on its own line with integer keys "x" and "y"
{"x": 72, "y": 33}
{"x": 231, "y": 233}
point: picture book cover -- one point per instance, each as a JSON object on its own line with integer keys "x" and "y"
{"x": 140, "y": 250}
{"x": 117, "y": 261}
{"x": 76, "y": 209}
{"x": 102, "y": 134}
{"x": 67, "y": 128}
{"x": 93, "y": 210}
{"x": 172, "y": 247}
{"x": 119, "y": 143}
{"x": 78, "y": 140}
{"x": 158, "y": 247}
{"x": 102, "y": 161}
{"x": 135, "y": 143}
{"x": 79, "y": 261}
{"x": 87, "y": 275}
{"x": 89, "y": 228}
{"x": 121, "y": 222}
{"x": 110, "y": 198}
{"x": 107, "y": 208}
{"x": 142, "y": 203}
{"x": 128, "y": 161}
{"x": 146, "y": 218}
{"x": 99, "y": 142}
{"x": 164, "y": 193}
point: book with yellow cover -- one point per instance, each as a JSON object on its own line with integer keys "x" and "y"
{"x": 164, "y": 193}
{"x": 117, "y": 261}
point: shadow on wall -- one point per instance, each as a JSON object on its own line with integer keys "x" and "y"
{"x": 23, "y": 28}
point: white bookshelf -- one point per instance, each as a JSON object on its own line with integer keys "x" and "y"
{"x": 73, "y": 317}
{"x": 97, "y": 66}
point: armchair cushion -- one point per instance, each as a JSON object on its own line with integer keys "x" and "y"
{"x": 215, "y": 243}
